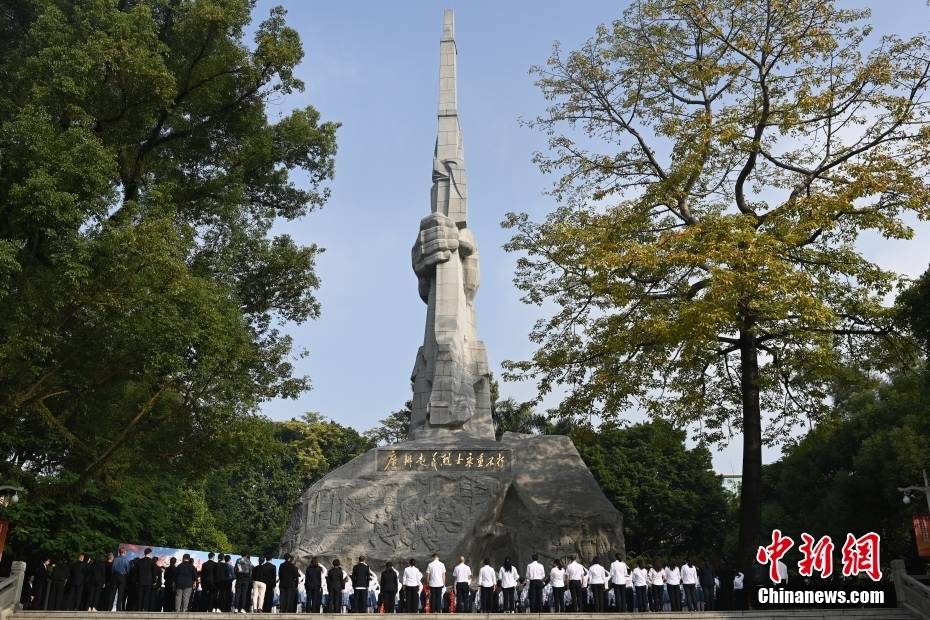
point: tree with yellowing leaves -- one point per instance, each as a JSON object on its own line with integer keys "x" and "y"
{"x": 716, "y": 163}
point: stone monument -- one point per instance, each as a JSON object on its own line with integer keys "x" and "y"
{"x": 451, "y": 487}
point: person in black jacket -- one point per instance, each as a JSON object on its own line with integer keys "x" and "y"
{"x": 40, "y": 579}
{"x": 96, "y": 580}
{"x": 706, "y": 577}
{"x": 313, "y": 583}
{"x": 335, "y": 582}
{"x": 269, "y": 578}
{"x": 361, "y": 576}
{"x": 287, "y": 582}
{"x": 145, "y": 578}
{"x": 169, "y": 583}
{"x": 184, "y": 575}
{"x": 76, "y": 584}
{"x": 389, "y": 587}
{"x": 207, "y": 575}
{"x": 57, "y": 596}
{"x": 219, "y": 583}
{"x": 244, "y": 570}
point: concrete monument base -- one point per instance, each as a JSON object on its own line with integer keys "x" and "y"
{"x": 474, "y": 497}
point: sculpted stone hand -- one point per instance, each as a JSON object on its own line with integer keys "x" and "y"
{"x": 436, "y": 243}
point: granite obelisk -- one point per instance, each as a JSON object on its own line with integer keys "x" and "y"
{"x": 452, "y": 488}
{"x": 451, "y": 380}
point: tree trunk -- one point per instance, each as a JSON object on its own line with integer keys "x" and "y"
{"x": 750, "y": 513}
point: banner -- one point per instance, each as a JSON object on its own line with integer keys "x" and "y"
{"x": 4, "y": 529}
{"x": 163, "y": 555}
{"x": 922, "y": 535}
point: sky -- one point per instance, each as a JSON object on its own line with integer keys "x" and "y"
{"x": 373, "y": 66}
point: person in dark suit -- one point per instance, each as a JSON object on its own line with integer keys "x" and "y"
{"x": 40, "y": 580}
{"x": 169, "y": 583}
{"x": 389, "y": 587}
{"x": 269, "y": 578}
{"x": 132, "y": 586}
{"x": 57, "y": 596}
{"x": 361, "y": 576}
{"x": 335, "y": 582}
{"x": 76, "y": 576}
{"x": 706, "y": 576}
{"x": 145, "y": 578}
{"x": 287, "y": 583}
{"x": 207, "y": 574}
{"x": 97, "y": 581}
{"x": 313, "y": 583}
{"x": 223, "y": 582}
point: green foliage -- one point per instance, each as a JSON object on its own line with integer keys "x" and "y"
{"x": 392, "y": 429}
{"x": 142, "y": 292}
{"x": 252, "y": 499}
{"x": 515, "y": 417}
{"x": 160, "y": 510}
{"x": 914, "y": 309}
{"x": 673, "y": 504}
{"x": 844, "y": 474}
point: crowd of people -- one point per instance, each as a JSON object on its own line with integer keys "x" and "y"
{"x": 116, "y": 583}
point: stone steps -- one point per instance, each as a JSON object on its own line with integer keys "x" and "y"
{"x": 798, "y": 614}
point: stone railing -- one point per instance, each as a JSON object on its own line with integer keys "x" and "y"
{"x": 912, "y": 595}
{"x": 10, "y": 590}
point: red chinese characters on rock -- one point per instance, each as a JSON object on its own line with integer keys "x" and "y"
{"x": 859, "y": 555}
{"x": 817, "y": 556}
{"x": 774, "y": 552}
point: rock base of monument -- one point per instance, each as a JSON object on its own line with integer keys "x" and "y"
{"x": 474, "y": 497}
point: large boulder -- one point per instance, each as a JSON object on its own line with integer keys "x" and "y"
{"x": 474, "y": 497}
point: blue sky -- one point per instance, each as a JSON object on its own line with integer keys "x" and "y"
{"x": 373, "y": 66}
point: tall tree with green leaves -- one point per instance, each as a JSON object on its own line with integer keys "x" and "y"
{"x": 673, "y": 505}
{"x": 142, "y": 292}
{"x": 716, "y": 163}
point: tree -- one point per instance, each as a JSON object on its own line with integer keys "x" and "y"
{"x": 392, "y": 429}
{"x": 252, "y": 499}
{"x": 141, "y": 291}
{"x": 515, "y": 417}
{"x": 914, "y": 309}
{"x": 672, "y": 502}
{"x": 844, "y": 474}
{"x": 716, "y": 163}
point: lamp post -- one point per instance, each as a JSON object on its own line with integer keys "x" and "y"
{"x": 9, "y": 495}
{"x": 924, "y": 489}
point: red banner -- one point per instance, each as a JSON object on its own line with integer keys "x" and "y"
{"x": 4, "y": 530}
{"x": 922, "y": 535}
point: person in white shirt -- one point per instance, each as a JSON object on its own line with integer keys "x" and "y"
{"x": 535, "y": 573}
{"x": 597, "y": 579}
{"x": 640, "y": 580}
{"x": 508, "y": 577}
{"x": 689, "y": 581}
{"x": 574, "y": 572}
{"x": 487, "y": 579}
{"x": 436, "y": 578}
{"x": 411, "y": 580}
{"x": 461, "y": 574}
{"x": 782, "y": 573}
{"x": 557, "y": 581}
{"x": 738, "y": 593}
{"x": 630, "y": 592}
{"x": 618, "y": 575}
{"x": 673, "y": 585}
{"x": 656, "y": 587}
